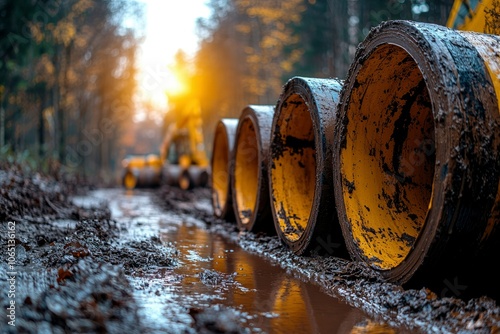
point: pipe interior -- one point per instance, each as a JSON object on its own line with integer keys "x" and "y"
{"x": 246, "y": 175}
{"x": 293, "y": 175}
{"x": 220, "y": 168}
{"x": 389, "y": 160}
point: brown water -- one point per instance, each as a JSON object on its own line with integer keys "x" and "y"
{"x": 213, "y": 272}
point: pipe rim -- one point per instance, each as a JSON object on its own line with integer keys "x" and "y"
{"x": 371, "y": 43}
{"x": 298, "y": 86}
{"x": 246, "y": 220}
{"x": 220, "y": 178}
{"x": 220, "y": 186}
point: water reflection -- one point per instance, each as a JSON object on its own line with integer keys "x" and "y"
{"x": 275, "y": 301}
{"x": 269, "y": 299}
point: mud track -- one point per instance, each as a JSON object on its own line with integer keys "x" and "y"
{"x": 80, "y": 267}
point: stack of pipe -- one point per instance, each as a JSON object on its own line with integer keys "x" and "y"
{"x": 397, "y": 166}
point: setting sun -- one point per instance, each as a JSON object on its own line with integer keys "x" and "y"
{"x": 170, "y": 27}
{"x": 174, "y": 84}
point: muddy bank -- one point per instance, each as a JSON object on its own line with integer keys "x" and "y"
{"x": 67, "y": 269}
{"x": 418, "y": 309}
{"x": 69, "y": 273}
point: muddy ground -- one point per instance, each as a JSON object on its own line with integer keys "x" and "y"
{"x": 79, "y": 269}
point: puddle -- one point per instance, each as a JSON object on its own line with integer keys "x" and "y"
{"x": 215, "y": 272}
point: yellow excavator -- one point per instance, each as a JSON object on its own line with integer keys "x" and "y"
{"x": 186, "y": 164}
{"x": 182, "y": 161}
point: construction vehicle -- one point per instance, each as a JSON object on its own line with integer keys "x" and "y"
{"x": 185, "y": 162}
{"x": 182, "y": 161}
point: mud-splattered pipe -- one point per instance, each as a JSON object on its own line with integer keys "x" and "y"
{"x": 418, "y": 147}
{"x": 300, "y": 168}
{"x": 171, "y": 174}
{"x": 194, "y": 177}
{"x": 142, "y": 172}
{"x": 250, "y": 187}
{"x": 222, "y": 155}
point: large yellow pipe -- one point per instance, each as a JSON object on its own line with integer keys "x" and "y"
{"x": 300, "y": 168}
{"x": 222, "y": 157}
{"x": 418, "y": 147}
{"x": 250, "y": 188}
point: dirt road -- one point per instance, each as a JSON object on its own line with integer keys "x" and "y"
{"x": 156, "y": 261}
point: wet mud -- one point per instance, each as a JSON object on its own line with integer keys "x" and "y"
{"x": 157, "y": 261}
{"x": 385, "y": 304}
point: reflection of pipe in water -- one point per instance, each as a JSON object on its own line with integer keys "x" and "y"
{"x": 222, "y": 155}
{"x": 260, "y": 288}
{"x": 418, "y": 155}
{"x": 293, "y": 315}
{"x": 184, "y": 238}
{"x": 329, "y": 315}
{"x": 242, "y": 265}
{"x": 369, "y": 326}
{"x": 219, "y": 256}
{"x": 187, "y": 236}
{"x": 300, "y": 168}
{"x": 250, "y": 188}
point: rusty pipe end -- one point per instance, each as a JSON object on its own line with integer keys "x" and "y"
{"x": 417, "y": 144}
{"x": 300, "y": 166}
{"x": 222, "y": 155}
{"x": 250, "y": 182}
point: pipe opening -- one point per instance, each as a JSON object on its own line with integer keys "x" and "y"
{"x": 389, "y": 159}
{"x": 246, "y": 172}
{"x": 293, "y": 175}
{"x": 220, "y": 169}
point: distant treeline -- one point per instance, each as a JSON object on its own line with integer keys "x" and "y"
{"x": 67, "y": 68}
{"x": 66, "y": 79}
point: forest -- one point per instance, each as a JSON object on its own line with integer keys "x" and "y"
{"x": 68, "y": 68}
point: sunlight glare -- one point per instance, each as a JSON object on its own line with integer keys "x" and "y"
{"x": 174, "y": 84}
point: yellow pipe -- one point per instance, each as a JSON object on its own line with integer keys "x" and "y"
{"x": 300, "y": 168}
{"x": 418, "y": 147}
{"x": 222, "y": 155}
{"x": 249, "y": 171}
{"x": 142, "y": 171}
